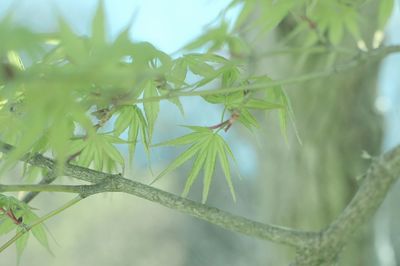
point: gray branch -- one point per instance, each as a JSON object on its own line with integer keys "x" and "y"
{"x": 313, "y": 248}
{"x": 104, "y": 182}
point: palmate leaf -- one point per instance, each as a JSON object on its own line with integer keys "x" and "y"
{"x": 206, "y": 146}
{"x": 131, "y": 118}
{"x": 99, "y": 150}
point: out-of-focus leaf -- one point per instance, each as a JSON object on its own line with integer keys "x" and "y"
{"x": 247, "y": 119}
{"x": 38, "y": 231}
{"x": 336, "y": 32}
{"x": 247, "y": 9}
{"x": 21, "y": 244}
{"x": 178, "y": 72}
{"x": 199, "y": 66}
{"x": 6, "y": 225}
{"x": 215, "y": 38}
{"x": 122, "y": 122}
{"x": 74, "y": 46}
{"x": 262, "y": 105}
{"x": 40, "y": 234}
{"x": 152, "y": 108}
{"x": 385, "y": 10}
{"x": 98, "y": 27}
{"x": 286, "y": 113}
{"x": 113, "y": 153}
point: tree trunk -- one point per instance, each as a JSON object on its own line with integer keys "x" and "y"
{"x": 306, "y": 186}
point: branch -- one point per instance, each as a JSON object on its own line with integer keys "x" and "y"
{"x": 46, "y": 179}
{"x": 381, "y": 176}
{"x": 313, "y": 248}
{"x": 361, "y": 58}
{"x": 104, "y": 182}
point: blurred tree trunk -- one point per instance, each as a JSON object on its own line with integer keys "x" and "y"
{"x": 306, "y": 186}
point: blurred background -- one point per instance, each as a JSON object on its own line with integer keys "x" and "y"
{"x": 302, "y": 186}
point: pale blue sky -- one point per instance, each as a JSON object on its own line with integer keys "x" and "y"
{"x": 166, "y": 24}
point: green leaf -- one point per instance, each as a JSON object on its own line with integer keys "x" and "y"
{"x": 351, "y": 23}
{"x": 174, "y": 100}
{"x": 230, "y": 100}
{"x": 199, "y": 67}
{"x": 181, "y": 159}
{"x": 113, "y": 153}
{"x": 152, "y": 108}
{"x": 215, "y": 38}
{"x": 238, "y": 47}
{"x": 21, "y": 244}
{"x": 248, "y": 8}
{"x": 247, "y": 119}
{"x": 74, "y": 46}
{"x": 144, "y": 128}
{"x": 38, "y": 231}
{"x": 222, "y": 148}
{"x": 199, "y": 129}
{"x": 209, "y": 167}
{"x": 98, "y": 26}
{"x": 194, "y": 172}
{"x": 123, "y": 121}
{"x": 98, "y": 159}
{"x": 206, "y": 146}
{"x": 178, "y": 73}
{"x": 86, "y": 156}
{"x": 113, "y": 139}
{"x": 40, "y": 234}
{"x": 273, "y": 12}
{"x": 133, "y": 132}
{"x": 336, "y": 31}
{"x": 262, "y": 105}
{"x": 285, "y": 113}
{"x": 385, "y": 10}
{"x": 6, "y": 225}
{"x": 183, "y": 140}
